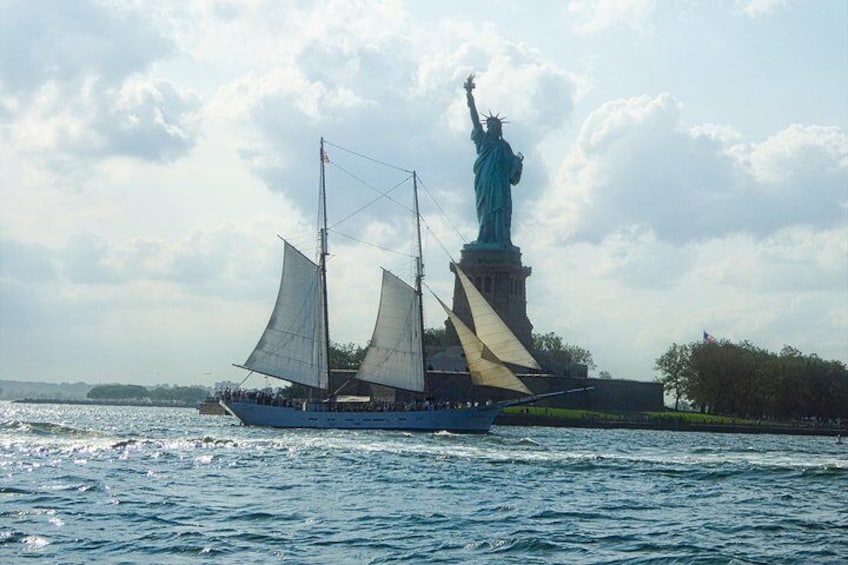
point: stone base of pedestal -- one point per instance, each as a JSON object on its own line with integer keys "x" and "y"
{"x": 500, "y": 276}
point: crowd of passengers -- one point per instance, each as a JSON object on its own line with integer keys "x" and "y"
{"x": 277, "y": 399}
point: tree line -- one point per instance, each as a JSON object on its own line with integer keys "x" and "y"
{"x": 746, "y": 381}
{"x": 180, "y": 394}
{"x": 350, "y": 355}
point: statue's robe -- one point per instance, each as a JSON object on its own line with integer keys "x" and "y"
{"x": 495, "y": 170}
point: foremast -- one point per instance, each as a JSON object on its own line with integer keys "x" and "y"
{"x": 322, "y": 261}
{"x": 419, "y": 276}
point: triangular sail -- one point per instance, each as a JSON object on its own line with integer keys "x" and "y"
{"x": 293, "y": 345}
{"x": 395, "y": 357}
{"x": 492, "y": 330}
{"x": 485, "y": 367}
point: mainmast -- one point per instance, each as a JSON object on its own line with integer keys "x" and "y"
{"x": 323, "y": 258}
{"x": 419, "y": 273}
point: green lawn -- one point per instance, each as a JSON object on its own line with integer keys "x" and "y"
{"x": 560, "y": 412}
{"x": 698, "y": 418}
{"x": 570, "y": 413}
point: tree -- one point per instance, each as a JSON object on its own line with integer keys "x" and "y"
{"x": 743, "y": 380}
{"x": 435, "y": 337}
{"x": 714, "y": 366}
{"x": 560, "y": 352}
{"x": 118, "y": 392}
{"x": 346, "y": 356}
{"x": 295, "y": 390}
{"x": 676, "y": 371}
{"x": 183, "y": 394}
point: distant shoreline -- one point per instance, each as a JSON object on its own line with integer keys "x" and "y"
{"x": 508, "y": 419}
{"x": 89, "y": 402}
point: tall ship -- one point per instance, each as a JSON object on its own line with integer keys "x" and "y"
{"x": 295, "y": 347}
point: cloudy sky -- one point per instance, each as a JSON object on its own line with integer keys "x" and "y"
{"x": 686, "y": 169}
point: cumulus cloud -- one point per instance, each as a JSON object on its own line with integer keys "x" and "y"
{"x": 25, "y": 262}
{"x": 140, "y": 141}
{"x": 756, "y": 8}
{"x": 148, "y": 120}
{"x": 67, "y": 42}
{"x": 71, "y": 73}
{"x": 633, "y": 291}
{"x": 799, "y": 154}
{"x": 372, "y": 94}
{"x": 600, "y": 15}
{"x": 749, "y": 236}
{"x": 636, "y": 163}
{"x": 89, "y": 259}
{"x": 210, "y": 260}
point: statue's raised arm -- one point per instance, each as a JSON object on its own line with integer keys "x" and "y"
{"x": 469, "y": 86}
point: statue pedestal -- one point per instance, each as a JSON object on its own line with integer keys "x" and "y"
{"x": 498, "y": 273}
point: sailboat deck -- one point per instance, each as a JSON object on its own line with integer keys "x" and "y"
{"x": 347, "y": 404}
{"x": 316, "y": 415}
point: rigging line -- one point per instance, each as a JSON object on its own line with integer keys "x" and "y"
{"x": 380, "y": 197}
{"x": 243, "y": 380}
{"x": 439, "y": 241}
{"x": 363, "y": 181}
{"x": 430, "y": 230}
{"x": 441, "y": 210}
{"x": 372, "y": 244}
{"x": 300, "y": 243}
{"x": 331, "y": 144}
{"x": 428, "y": 287}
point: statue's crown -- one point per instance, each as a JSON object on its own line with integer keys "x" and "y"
{"x": 490, "y": 118}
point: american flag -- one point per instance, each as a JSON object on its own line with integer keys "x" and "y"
{"x": 708, "y": 338}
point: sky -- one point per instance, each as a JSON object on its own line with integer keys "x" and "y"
{"x": 686, "y": 170}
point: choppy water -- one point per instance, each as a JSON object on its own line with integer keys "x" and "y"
{"x": 139, "y": 485}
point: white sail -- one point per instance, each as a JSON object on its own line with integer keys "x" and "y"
{"x": 484, "y": 366}
{"x": 293, "y": 345}
{"x": 492, "y": 330}
{"x": 395, "y": 357}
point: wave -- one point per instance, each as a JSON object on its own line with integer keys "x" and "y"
{"x": 29, "y": 541}
{"x": 44, "y": 429}
{"x": 523, "y": 441}
{"x": 13, "y": 490}
{"x": 532, "y": 545}
{"x": 703, "y": 463}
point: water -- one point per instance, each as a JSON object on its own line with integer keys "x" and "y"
{"x": 82, "y": 484}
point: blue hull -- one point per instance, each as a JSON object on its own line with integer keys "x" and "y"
{"x": 477, "y": 420}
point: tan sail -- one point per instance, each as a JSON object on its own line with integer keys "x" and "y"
{"x": 484, "y": 366}
{"x": 492, "y": 330}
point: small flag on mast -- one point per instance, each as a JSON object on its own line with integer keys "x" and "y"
{"x": 325, "y": 157}
{"x": 708, "y": 338}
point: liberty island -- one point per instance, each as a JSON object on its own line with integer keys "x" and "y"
{"x": 295, "y": 347}
{"x": 397, "y": 385}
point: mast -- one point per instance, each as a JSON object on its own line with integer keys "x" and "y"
{"x": 323, "y": 257}
{"x": 419, "y": 273}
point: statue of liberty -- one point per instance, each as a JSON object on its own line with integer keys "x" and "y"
{"x": 495, "y": 171}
